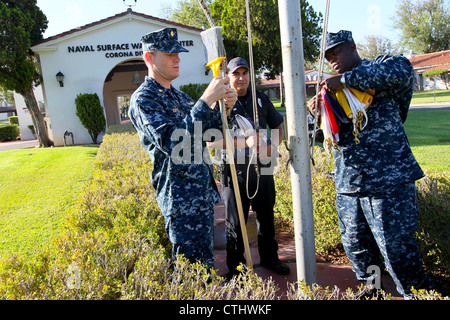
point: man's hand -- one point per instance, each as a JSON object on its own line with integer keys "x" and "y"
{"x": 230, "y": 98}
{"x": 217, "y": 89}
{"x": 332, "y": 84}
{"x": 254, "y": 140}
{"x": 312, "y": 104}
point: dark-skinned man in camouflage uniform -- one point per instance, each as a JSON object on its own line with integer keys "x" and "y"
{"x": 375, "y": 179}
{"x": 165, "y": 119}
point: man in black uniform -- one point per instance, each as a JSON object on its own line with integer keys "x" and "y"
{"x": 249, "y": 183}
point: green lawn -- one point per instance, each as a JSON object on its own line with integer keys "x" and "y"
{"x": 429, "y": 135}
{"x": 36, "y": 188}
{"x": 418, "y": 98}
{"x": 428, "y": 97}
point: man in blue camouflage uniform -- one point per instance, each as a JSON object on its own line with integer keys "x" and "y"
{"x": 375, "y": 180}
{"x": 170, "y": 127}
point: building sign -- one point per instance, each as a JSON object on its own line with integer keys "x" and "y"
{"x": 118, "y": 50}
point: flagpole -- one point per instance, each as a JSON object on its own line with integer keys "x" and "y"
{"x": 296, "y": 112}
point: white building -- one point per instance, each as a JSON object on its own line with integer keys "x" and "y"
{"x": 430, "y": 62}
{"x": 102, "y": 57}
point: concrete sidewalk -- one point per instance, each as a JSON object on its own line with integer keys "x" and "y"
{"x": 19, "y": 144}
{"x": 431, "y": 106}
{"x": 328, "y": 275}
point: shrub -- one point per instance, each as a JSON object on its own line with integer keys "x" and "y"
{"x": 326, "y": 227}
{"x": 433, "y": 232}
{"x": 14, "y": 120}
{"x": 114, "y": 222}
{"x": 31, "y": 127}
{"x": 9, "y": 132}
{"x": 114, "y": 245}
{"x": 90, "y": 113}
{"x": 195, "y": 90}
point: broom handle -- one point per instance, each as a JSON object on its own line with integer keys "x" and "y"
{"x": 230, "y": 147}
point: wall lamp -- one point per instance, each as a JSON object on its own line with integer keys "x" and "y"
{"x": 60, "y": 78}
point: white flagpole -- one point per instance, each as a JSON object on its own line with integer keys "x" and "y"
{"x": 296, "y": 110}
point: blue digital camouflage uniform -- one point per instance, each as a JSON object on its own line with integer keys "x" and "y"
{"x": 170, "y": 127}
{"x": 375, "y": 180}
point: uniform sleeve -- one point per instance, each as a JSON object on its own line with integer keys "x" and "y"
{"x": 166, "y": 129}
{"x": 391, "y": 74}
{"x": 383, "y": 74}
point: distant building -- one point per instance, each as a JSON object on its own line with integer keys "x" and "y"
{"x": 6, "y": 111}
{"x": 272, "y": 87}
{"x": 429, "y": 62}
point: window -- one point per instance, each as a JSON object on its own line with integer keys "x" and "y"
{"x": 123, "y": 103}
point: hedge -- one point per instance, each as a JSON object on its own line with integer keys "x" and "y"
{"x": 326, "y": 227}
{"x": 194, "y": 90}
{"x": 14, "y": 120}
{"x": 114, "y": 246}
{"x": 9, "y": 132}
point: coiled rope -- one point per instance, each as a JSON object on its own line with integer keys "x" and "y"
{"x": 320, "y": 74}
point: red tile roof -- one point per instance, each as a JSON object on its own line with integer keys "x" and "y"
{"x": 90, "y": 25}
{"x": 431, "y": 61}
{"x": 270, "y": 83}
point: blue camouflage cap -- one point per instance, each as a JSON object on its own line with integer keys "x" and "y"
{"x": 334, "y": 39}
{"x": 164, "y": 40}
{"x": 237, "y": 63}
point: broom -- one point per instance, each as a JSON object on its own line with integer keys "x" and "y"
{"x": 213, "y": 41}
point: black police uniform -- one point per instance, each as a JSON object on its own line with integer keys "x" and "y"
{"x": 264, "y": 201}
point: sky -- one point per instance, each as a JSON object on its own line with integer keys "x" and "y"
{"x": 362, "y": 17}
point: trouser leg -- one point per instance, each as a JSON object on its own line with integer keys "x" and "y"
{"x": 234, "y": 243}
{"x": 393, "y": 216}
{"x": 390, "y": 216}
{"x": 192, "y": 235}
{"x": 357, "y": 238}
{"x": 263, "y": 204}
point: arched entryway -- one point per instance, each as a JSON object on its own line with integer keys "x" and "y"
{"x": 118, "y": 88}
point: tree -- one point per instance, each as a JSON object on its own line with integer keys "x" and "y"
{"x": 90, "y": 113}
{"x": 188, "y": 12}
{"x": 6, "y": 97}
{"x": 424, "y": 25}
{"x": 375, "y": 46}
{"x": 231, "y": 15}
{"x": 21, "y": 24}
